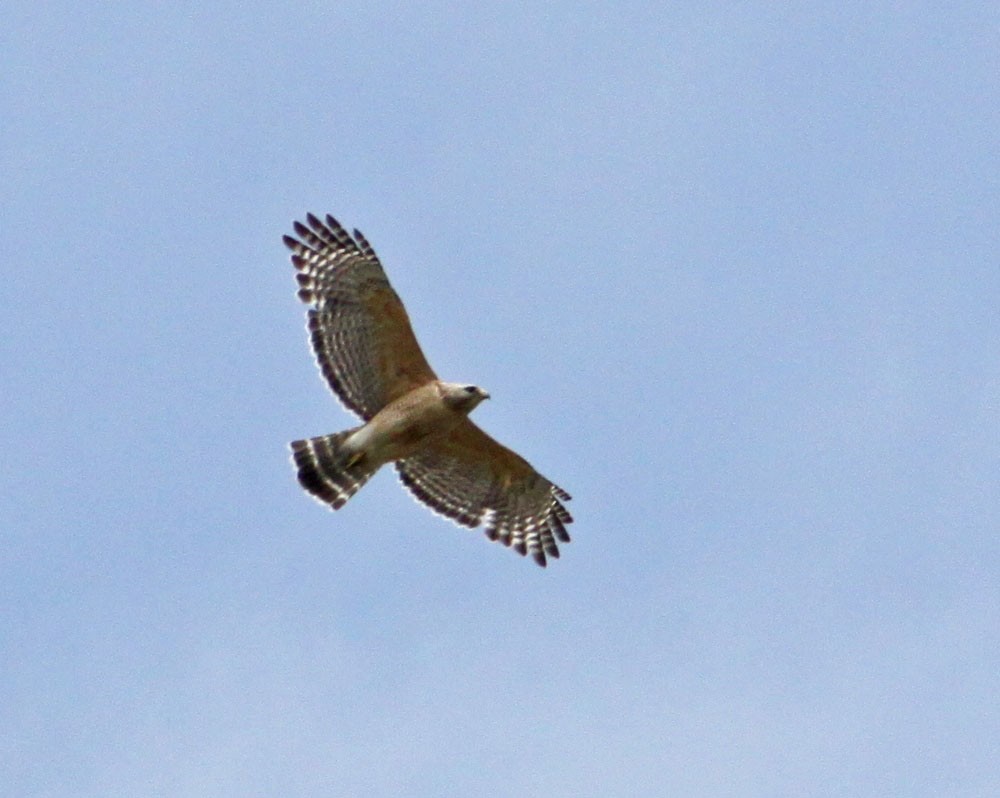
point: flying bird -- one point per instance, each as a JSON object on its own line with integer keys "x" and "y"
{"x": 366, "y": 350}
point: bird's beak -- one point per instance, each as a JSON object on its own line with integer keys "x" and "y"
{"x": 485, "y": 395}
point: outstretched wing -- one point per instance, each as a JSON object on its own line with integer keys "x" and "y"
{"x": 358, "y": 326}
{"x": 470, "y": 478}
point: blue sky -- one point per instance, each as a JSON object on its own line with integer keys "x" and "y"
{"x": 731, "y": 273}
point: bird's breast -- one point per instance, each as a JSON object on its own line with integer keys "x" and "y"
{"x": 402, "y": 427}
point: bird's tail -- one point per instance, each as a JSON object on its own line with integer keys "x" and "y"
{"x": 328, "y": 471}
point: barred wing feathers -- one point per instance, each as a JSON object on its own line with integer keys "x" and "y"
{"x": 358, "y": 327}
{"x": 472, "y": 479}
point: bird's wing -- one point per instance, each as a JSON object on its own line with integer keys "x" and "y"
{"x": 358, "y": 327}
{"x": 472, "y": 479}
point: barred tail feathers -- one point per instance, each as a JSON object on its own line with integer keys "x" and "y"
{"x": 328, "y": 471}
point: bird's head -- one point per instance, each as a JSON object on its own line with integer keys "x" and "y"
{"x": 463, "y": 397}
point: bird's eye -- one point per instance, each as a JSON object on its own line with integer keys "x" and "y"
{"x": 470, "y": 388}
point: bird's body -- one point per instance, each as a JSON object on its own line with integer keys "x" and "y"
{"x": 366, "y": 349}
{"x": 404, "y": 426}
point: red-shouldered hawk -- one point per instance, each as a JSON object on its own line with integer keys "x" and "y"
{"x": 369, "y": 355}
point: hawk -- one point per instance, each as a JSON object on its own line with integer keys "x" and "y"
{"x": 367, "y": 352}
